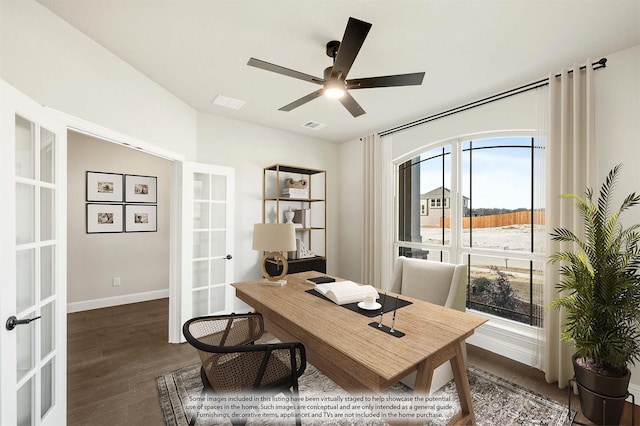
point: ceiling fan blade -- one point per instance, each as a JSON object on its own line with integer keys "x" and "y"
{"x": 414, "y": 79}
{"x": 352, "y": 41}
{"x": 303, "y": 100}
{"x": 351, "y": 105}
{"x": 284, "y": 71}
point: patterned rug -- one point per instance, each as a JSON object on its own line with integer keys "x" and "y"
{"x": 495, "y": 401}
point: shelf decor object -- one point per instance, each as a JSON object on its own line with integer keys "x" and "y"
{"x": 273, "y": 239}
{"x": 300, "y": 191}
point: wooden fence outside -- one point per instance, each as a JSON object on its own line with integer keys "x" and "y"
{"x": 497, "y": 220}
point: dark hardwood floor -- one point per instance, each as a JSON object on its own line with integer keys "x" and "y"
{"x": 115, "y": 353}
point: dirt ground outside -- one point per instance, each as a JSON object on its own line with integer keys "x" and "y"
{"x": 512, "y": 238}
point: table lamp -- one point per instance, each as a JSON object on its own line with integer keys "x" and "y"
{"x": 273, "y": 239}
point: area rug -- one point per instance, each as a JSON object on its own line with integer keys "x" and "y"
{"x": 495, "y": 401}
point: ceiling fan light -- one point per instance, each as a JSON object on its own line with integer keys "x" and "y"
{"x": 334, "y": 89}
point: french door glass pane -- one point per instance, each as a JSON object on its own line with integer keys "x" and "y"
{"x": 25, "y": 399}
{"x": 25, "y": 356}
{"x": 200, "y": 244}
{"x": 200, "y": 300}
{"x": 47, "y": 381}
{"x": 218, "y": 270}
{"x": 218, "y": 243}
{"x": 25, "y": 279}
{"x": 25, "y": 214}
{"x": 218, "y": 188}
{"x": 218, "y": 215}
{"x": 217, "y": 298}
{"x": 25, "y": 148}
{"x": 200, "y": 273}
{"x": 200, "y": 215}
{"x": 47, "y": 331}
{"x": 47, "y": 155}
{"x": 200, "y": 186}
{"x": 47, "y": 271}
{"x": 47, "y": 214}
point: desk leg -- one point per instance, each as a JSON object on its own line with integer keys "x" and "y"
{"x": 466, "y": 415}
{"x": 453, "y": 354}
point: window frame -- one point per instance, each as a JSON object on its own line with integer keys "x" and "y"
{"x": 455, "y": 252}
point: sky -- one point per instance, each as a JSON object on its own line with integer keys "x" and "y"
{"x": 501, "y": 176}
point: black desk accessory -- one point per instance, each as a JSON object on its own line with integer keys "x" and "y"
{"x": 388, "y": 330}
{"x": 382, "y": 310}
{"x": 387, "y": 305}
{"x": 393, "y": 321}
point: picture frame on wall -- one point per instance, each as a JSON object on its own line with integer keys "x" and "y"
{"x": 141, "y": 218}
{"x": 140, "y": 189}
{"x": 104, "y": 187}
{"x": 105, "y": 218}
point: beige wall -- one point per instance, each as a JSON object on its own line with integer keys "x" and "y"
{"x": 248, "y": 149}
{"x": 140, "y": 259}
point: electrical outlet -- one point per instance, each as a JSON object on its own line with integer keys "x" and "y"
{"x": 116, "y": 281}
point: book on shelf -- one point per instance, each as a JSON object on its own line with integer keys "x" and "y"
{"x": 343, "y": 292}
{"x": 295, "y": 193}
{"x": 303, "y": 217}
{"x": 320, "y": 280}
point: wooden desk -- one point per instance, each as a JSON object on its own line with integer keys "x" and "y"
{"x": 341, "y": 344}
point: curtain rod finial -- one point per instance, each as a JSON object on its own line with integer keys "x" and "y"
{"x": 603, "y": 62}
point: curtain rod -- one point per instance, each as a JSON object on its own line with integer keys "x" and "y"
{"x": 602, "y": 63}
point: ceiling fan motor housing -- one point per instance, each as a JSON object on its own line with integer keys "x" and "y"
{"x": 332, "y": 48}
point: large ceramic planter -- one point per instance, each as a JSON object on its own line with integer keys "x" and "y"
{"x": 595, "y": 388}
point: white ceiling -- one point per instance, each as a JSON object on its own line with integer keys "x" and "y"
{"x": 468, "y": 49}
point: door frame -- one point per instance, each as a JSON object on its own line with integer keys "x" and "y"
{"x": 97, "y": 131}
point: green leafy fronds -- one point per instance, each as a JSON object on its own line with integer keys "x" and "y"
{"x": 599, "y": 286}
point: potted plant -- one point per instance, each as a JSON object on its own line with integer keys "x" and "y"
{"x": 600, "y": 293}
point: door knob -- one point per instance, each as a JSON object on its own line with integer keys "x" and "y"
{"x": 12, "y": 322}
{"x": 229, "y": 257}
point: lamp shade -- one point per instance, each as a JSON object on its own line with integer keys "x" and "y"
{"x": 274, "y": 237}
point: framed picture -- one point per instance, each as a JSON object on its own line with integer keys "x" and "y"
{"x": 103, "y": 218}
{"x": 141, "y": 218}
{"x": 140, "y": 189}
{"x": 104, "y": 187}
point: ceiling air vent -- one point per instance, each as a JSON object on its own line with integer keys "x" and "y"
{"x": 227, "y": 102}
{"x": 313, "y": 125}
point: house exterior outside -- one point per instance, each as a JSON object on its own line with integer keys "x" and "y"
{"x": 436, "y": 204}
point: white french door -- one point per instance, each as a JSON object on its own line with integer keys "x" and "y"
{"x": 207, "y": 240}
{"x": 33, "y": 326}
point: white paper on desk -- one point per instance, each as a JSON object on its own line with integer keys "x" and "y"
{"x": 343, "y": 292}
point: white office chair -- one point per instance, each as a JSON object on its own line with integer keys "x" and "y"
{"x": 436, "y": 282}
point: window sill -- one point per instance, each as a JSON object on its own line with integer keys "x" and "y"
{"x": 508, "y": 338}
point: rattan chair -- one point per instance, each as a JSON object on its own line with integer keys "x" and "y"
{"x": 233, "y": 363}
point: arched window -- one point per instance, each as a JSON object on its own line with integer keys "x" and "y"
{"x": 480, "y": 201}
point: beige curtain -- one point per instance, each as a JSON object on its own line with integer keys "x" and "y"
{"x": 378, "y": 208}
{"x": 570, "y": 166}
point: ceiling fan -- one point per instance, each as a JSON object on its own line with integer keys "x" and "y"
{"x": 335, "y": 83}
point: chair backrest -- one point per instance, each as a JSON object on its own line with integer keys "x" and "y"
{"x": 233, "y": 362}
{"x": 436, "y": 282}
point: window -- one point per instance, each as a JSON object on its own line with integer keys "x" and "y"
{"x": 485, "y": 210}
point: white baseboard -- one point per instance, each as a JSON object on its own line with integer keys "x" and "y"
{"x": 106, "y": 302}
